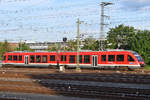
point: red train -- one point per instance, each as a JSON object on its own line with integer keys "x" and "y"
{"x": 96, "y": 59}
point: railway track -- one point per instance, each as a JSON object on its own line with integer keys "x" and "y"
{"x": 98, "y": 92}
{"x": 119, "y": 78}
{"x": 110, "y": 76}
{"x": 115, "y": 78}
{"x": 111, "y": 86}
{"x": 89, "y": 88}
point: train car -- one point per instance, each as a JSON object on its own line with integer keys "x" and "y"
{"x": 90, "y": 59}
{"x": 30, "y": 58}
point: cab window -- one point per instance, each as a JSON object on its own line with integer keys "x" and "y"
{"x": 130, "y": 58}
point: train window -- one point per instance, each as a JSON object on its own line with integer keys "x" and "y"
{"x": 111, "y": 57}
{"x": 20, "y": 58}
{"x": 32, "y": 59}
{"x": 38, "y": 58}
{"x": 80, "y": 59}
{"x": 52, "y": 57}
{"x": 72, "y": 59}
{"x": 44, "y": 59}
{"x": 103, "y": 57}
{"x": 120, "y": 57}
{"x": 87, "y": 59}
{"x": 9, "y": 58}
{"x": 130, "y": 58}
{"x": 63, "y": 57}
{"x": 15, "y": 58}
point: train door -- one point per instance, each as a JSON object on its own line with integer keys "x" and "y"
{"x": 94, "y": 60}
{"x": 26, "y": 59}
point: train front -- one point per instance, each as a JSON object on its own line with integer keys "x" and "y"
{"x": 139, "y": 58}
{"x": 3, "y": 62}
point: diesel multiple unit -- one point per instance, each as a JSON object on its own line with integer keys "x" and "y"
{"x": 96, "y": 59}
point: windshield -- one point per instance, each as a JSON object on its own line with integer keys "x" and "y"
{"x": 139, "y": 58}
{"x": 135, "y": 53}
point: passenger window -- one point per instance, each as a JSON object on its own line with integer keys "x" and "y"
{"x": 9, "y": 58}
{"x": 103, "y": 57}
{"x": 38, "y": 58}
{"x": 120, "y": 57}
{"x": 80, "y": 59}
{"x": 20, "y": 58}
{"x": 72, "y": 59}
{"x": 111, "y": 57}
{"x": 130, "y": 58}
{"x": 63, "y": 57}
{"x": 15, "y": 58}
{"x": 32, "y": 59}
{"x": 87, "y": 59}
{"x": 44, "y": 59}
{"x": 52, "y": 57}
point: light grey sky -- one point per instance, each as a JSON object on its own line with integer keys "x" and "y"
{"x": 51, "y": 20}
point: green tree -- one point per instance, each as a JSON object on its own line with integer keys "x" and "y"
{"x": 4, "y": 47}
{"x": 71, "y": 45}
{"x": 128, "y": 38}
{"x": 53, "y": 47}
{"x": 141, "y": 44}
{"x": 23, "y": 47}
{"x": 120, "y": 36}
{"x": 90, "y": 44}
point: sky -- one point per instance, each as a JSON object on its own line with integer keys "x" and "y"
{"x": 51, "y": 20}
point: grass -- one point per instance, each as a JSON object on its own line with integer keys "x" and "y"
{"x": 147, "y": 67}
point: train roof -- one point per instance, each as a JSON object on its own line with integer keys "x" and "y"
{"x": 107, "y": 50}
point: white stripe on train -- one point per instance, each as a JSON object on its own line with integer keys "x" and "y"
{"x": 74, "y": 65}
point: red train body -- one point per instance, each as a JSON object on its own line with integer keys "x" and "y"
{"x": 99, "y": 59}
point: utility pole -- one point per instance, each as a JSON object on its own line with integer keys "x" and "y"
{"x": 78, "y": 43}
{"x": 102, "y": 35}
